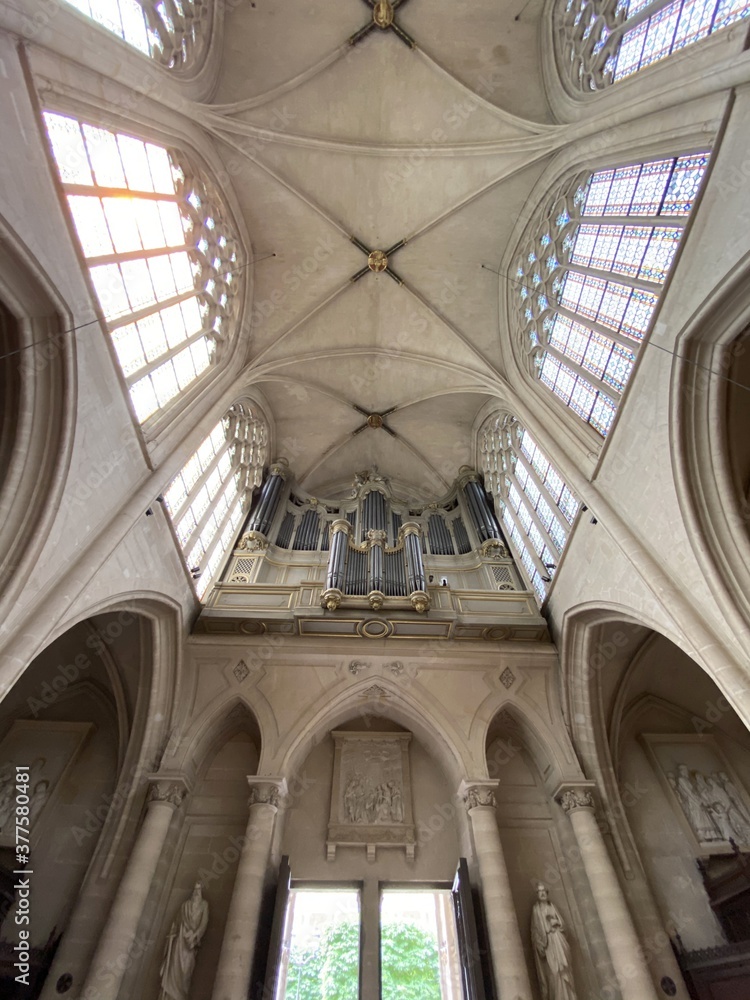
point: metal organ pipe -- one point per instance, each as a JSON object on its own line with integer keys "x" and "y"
{"x": 265, "y": 511}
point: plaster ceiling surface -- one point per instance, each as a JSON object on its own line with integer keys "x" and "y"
{"x": 439, "y": 145}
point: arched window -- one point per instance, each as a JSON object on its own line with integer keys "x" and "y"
{"x": 589, "y": 273}
{"x": 162, "y": 255}
{"x": 207, "y": 500}
{"x": 172, "y": 32}
{"x": 535, "y": 504}
{"x": 603, "y": 41}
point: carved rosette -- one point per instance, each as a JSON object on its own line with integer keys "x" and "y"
{"x": 493, "y": 548}
{"x": 479, "y": 796}
{"x": 266, "y": 791}
{"x": 169, "y": 792}
{"x": 575, "y": 798}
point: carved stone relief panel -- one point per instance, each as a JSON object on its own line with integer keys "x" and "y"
{"x": 46, "y": 751}
{"x": 704, "y": 790}
{"x": 371, "y": 793}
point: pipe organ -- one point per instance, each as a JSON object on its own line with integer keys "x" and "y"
{"x": 372, "y": 549}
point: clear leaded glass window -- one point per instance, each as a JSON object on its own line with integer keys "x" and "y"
{"x": 207, "y": 500}
{"x": 603, "y": 41}
{"x": 160, "y": 252}
{"x": 589, "y": 274}
{"x": 172, "y": 32}
{"x": 534, "y": 503}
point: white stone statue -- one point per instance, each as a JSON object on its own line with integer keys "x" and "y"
{"x": 551, "y": 949}
{"x": 183, "y": 941}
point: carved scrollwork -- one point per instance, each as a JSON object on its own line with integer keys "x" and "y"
{"x": 268, "y": 793}
{"x": 576, "y": 798}
{"x": 170, "y": 792}
{"x": 587, "y": 37}
{"x": 478, "y": 796}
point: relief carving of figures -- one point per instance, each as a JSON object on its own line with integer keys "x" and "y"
{"x": 183, "y": 941}
{"x": 366, "y": 802}
{"x": 551, "y": 949}
{"x": 479, "y": 796}
{"x": 576, "y": 799}
{"x": 38, "y": 791}
{"x": 712, "y": 805}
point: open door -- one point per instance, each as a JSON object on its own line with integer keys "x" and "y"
{"x": 274, "y": 965}
{"x": 469, "y": 948}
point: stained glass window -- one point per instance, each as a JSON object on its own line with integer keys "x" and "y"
{"x": 162, "y": 262}
{"x": 207, "y": 499}
{"x": 612, "y": 238}
{"x": 536, "y": 506}
{"x": 172, "y": 32}
{"x": 602, "y": 41}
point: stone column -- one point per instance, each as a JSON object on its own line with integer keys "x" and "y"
{"x": 622, "y": 940}
{"x": 508, "y": 959}
{"x": 112, "y": 955}
{"x": 238, "y": 947}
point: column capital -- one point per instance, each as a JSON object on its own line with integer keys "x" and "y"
{"x": 266, "y": 791}
{"x": 169, "y": 788}
{"x": 479, "y": 793}
{"x": 576, "y": 795}
{"x": 279, "y": 468}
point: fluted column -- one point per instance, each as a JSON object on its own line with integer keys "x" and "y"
{"x": 332, "y": 595}
{"x": 111, "y": 958}
{"x": 232, "y": 980}
{"x": 622, "y": 940}
{"x": 508, "y": 959}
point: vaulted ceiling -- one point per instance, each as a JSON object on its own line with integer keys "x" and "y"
{"x": 440, "y": 146}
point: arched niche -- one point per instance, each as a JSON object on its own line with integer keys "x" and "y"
{"x": 539, "y": 846}
{"x": 205, "y": 847}
{"x": 709, "y": 413}
{"x": 638, "y": 705}
{"x": 666, "y": 712}
{"x": 73, "y": 717}
{"x": 37, "y": 389}
{"x": 737, "y": 420}
{"x": 435, "y": 812}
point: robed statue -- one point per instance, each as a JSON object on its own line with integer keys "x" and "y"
{"x": 551, "y": 949}
{"x": 183, "y": 940}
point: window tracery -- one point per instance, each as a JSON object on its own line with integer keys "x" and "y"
{"x": 174, "y": 33}
{"x": 208, "y": 499}
{"x": 589, "y": 274}
{"x": 535, "y": 504}
{"x": 161, "y": 253}
{"x": 603, "y": 41}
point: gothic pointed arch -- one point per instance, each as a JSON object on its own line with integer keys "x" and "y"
{"x": 163, "y": 253}
{"x": 38, "y": 389}
{"x": 587, "y": 275}
{"x": 600, "y": 43}
{"x": 175, "y": 34}
{"x": 207, "y": 500}
{"x": 534, "y": 503}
